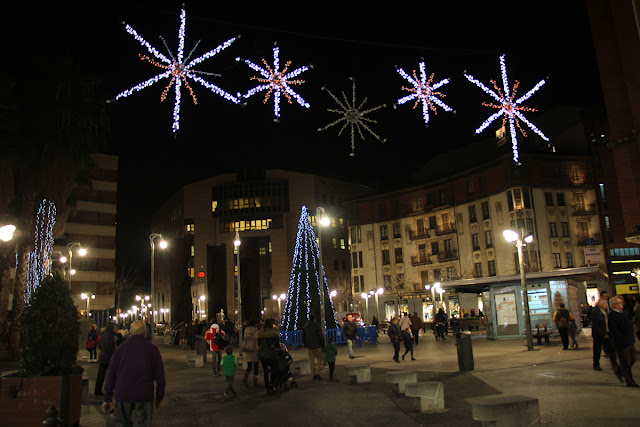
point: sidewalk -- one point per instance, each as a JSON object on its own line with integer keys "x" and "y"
{"x": 570, "y": 392}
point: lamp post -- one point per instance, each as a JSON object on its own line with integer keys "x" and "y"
{"x": 366, "y": 296}
{"x": 436, "y": 286}
{"x": 237, "y": 242}
{"x": 200, "y": 302}
{"x": 81, "y": 251}
{"x": 380, "y": 291}
{"x": 142, "y": 299}
{"x": 279, "y": 298}
{"x": 323, "y": 221}
{"x": 513, "y": 236}
{"x": 163, "y": 245}
{"x": 88, "y": 298}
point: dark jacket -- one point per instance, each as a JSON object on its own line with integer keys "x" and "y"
{"x": 394, "y": 333}
{"x": 312, "y": 335}
{"x": 621, "y": 329}
{"x": 598, "y": 324}
{"x": 350, "y": 330}
{"x": 107, "y": 346}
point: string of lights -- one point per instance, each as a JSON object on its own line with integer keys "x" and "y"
{"x": 39, "y": 266}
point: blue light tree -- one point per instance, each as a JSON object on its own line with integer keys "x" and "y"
{"x": 303, "y": 296}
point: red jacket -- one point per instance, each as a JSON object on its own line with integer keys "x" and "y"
{"x": 211, "y": 334}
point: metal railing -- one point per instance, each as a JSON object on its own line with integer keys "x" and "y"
{"x": 418, "y": 260}
{"x": 588, "y": 209}
{"x": 445, "y": 229}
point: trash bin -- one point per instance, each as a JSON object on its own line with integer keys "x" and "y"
{"x": 465, "y": 351}
{"x": 202, "y": 348}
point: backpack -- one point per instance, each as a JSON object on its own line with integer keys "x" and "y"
{"x": 266, "y": 351}
{"x": 221, "y": 340}
{"x": 563, "y": 319}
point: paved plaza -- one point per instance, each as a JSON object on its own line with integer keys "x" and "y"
{"x": 570, "y": 392}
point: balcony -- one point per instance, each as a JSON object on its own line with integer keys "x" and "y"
{"x": 584, "y": 210}
{"x": 451, "y": 255}
{"x": 594, "y": 239}
{"x": 445, "y": 229}
{"x": 418, "y": 234}
{"x": 417, "y": 260}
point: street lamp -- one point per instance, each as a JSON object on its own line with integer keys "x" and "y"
{"x": 6, "y": 232}
{"x": 323, "y": 221}
{"x": 163, "y": 245}
{"x": 279, "y": 298}
{"x": 81, "y": 251}
{"x": 200, "y": 302}
{"x": 366, "y": 296}
{"x": 142, "y": 299}
{"x": 237, "y": 242}
{"x": 380, "y": 291}
{"x": 88, "y": 298}
{"x": 521, "y": 240}
{"x": 436, "y": 287}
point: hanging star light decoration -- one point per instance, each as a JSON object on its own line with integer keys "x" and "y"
{"x": 510, "y": 109}
{"x": 276, "y": 82}
{"x": 353, "y": 116}
{"x": 424, "y": 91}
{"x": 178, "y": 69}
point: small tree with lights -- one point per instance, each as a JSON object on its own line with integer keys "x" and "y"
{"x": 303, "y": 296}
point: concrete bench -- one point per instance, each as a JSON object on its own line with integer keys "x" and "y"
{"x": 427, "y": 396}
{"x": 506, "y": 411}
{"x": 358, "y": 374}
{"x": 300, "y": 367}
{"x": 195, "y": 360}
{"x": 401, "y": 378}
{"x": 541, "y": 332}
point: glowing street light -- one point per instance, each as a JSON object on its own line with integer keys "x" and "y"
{"x": 436, "y": 287}
{"x": 522, "y": 240}
{"x": 279, "y": 298}
{"x": 87, "y": 298}
{"x": 380, "y": 291}
{"x": 323, "y": 221}
{"x": 81, "y": 251}
{"x": 6, "y": 232}
{"x": 163, "y": 245}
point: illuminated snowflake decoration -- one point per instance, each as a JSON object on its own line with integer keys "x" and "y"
{"x": 352, "y": 115}
{"x": 423, "y": 91}
{"x": 508, "y": 107}
{"x": 178, "y": 69}
{"x": 276, "y": 82}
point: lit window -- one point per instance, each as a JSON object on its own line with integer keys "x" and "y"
{"x": 191, "y": 272}
{"x": 214, "y": 206}
{"x": 342, "y": 244}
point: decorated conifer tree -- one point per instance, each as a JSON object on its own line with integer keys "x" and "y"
{"x": 303, "y": 297}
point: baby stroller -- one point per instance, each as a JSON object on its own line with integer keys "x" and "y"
{"x": 283, "y": 378}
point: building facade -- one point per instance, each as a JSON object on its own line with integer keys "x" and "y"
{"x": 91, "y": 225}
{"x": 196, "y": 276}
{"x": 450, "y": 231}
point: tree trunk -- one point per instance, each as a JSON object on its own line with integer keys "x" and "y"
{"x": 18, "y": 297}
{"x": 7, "y": 252}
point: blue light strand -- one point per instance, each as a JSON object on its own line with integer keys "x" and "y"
{"x": 38, "y": 262}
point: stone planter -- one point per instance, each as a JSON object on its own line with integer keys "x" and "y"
{"x": 24, "y": 400}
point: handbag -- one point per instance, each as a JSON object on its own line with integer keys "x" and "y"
{"x": 91, "y": 344}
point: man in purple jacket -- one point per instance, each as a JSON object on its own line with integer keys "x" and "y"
{"x": 135, "y": 366}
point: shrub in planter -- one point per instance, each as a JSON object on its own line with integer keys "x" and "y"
{"x": 50, "y": 328}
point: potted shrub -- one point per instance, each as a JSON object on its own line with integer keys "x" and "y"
{"x": 49, "y": 375}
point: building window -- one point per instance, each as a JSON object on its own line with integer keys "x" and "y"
{"x": 387, "y": 281}
{"x": 548, "y": 198}
{"x": 491, "y": 267}
{"x": 553, "y": 230}
{"x": 607, "y": 225}
{"x": 470, "y": 188}
{"x": 437, "y": 275}
{"x": 477, "y": 269}
{"x": 485, "y": 210}
{"x": 343, "y": 244}
{"x": 560, "y": 197}
{"x": 386, "y": 260}
{"x": 214, "y": 206}
{"x": 442, "y": 194}
{"x": 356, "y": 260}
{"x": 356, "y": 235}
{"x": 451, "y": 273}
{"x": 472, "y": 214}
{"x": 565, "y": 229}
{"x": 398, "y": 253}
{"x": 569, "y": 259}
{"x": 334, "y": 241}
{"x": 533, "y": 257}
{"x": 433, "y": 223}
{"x": 424, "y": 278}
{"x": 356, "y": 284}
{"x": 488, "y": 239}
{"x": 435, "y": 248}
{"x": 419, "y": 203}
{"x": 475, "y": 241}
{"x": 193, "y": 250}
{"x": 556, "y": 260}
{"x": 190, "y": 228}
{"x": 384, "y": 232}
{"x": 191, "y": 272}
{"x": 529, "y": 222}
{"x": 396, "y": 230}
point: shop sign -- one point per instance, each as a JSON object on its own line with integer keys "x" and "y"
{"x": 593, "y": 256}
{"x": 592, "y": 286}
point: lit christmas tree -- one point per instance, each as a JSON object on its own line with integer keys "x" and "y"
{"x": 303, "y": 296}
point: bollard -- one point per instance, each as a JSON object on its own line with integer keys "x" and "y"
{"x": 465, "y": 351}
{"x": 52, "y": 418}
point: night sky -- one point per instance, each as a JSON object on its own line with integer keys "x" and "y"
{"x": 542, "y": 39}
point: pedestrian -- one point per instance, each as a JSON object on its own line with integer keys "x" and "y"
{"x": 453, "y": 322}
{"x": 416, "y": 324}
{"x": 407, "y": 338}
{"x": 268, "y": 345}
{"x": 92, "y": 343}
{"x": 214, "y": 345}
{"x": 229, "y": 329}
{"x": 330, "y": 352}
{"x": 394, "y": 337}
{"x": 404, "y": 322}
{"x": 636, "y": 318}
{"x": 623, "y": 339}
{"x": 184, "y": 335}
{"x": 441, "y": 320}
{"x": 250, "y": 351}
{"x": 107, "y": 346}
{"x": 561, "y": 318}
{"x": 229, "y": 365}
{"x": 374, "y": 322}
{"x": 573, "y": 328}
{"x": 472, "y": 312}
{"x": 350, "y": 330}
{"x": 135, "y": 366}
{"x": 601, "y": 335}
{"x": 314, "y": 342}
